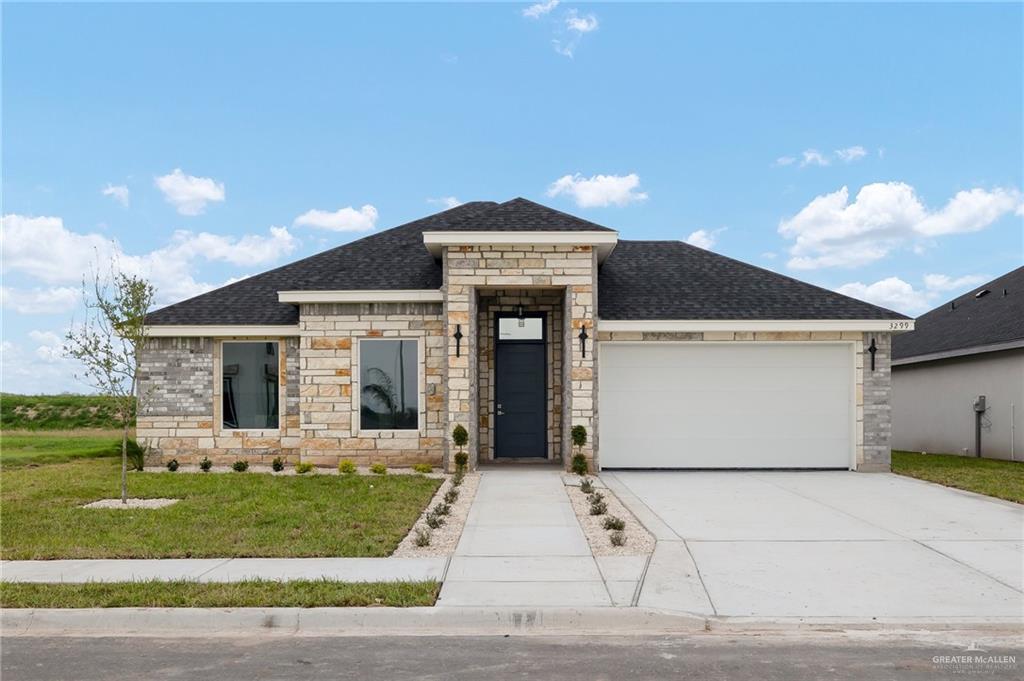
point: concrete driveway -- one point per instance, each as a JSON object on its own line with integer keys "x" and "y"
{"x": 826, "y": 545}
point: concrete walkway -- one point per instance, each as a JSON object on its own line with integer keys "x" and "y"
{"x": 225, "y": 569}
{"x": 522, "y": 546}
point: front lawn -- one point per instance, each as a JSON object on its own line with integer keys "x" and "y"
{"x": 219, "y": 515}
{"x": 26, "y": 448}
{"x": 994, "y": 477}
{"x": 248, "y": 594}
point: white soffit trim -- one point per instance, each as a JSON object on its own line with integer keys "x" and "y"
{"x": 270, "y": 330}
{"x": 668, "y": 325}
{"x": 603, "y": 242}
{"x": 368, "y": 296}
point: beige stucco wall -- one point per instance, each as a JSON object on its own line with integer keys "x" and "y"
{"x": 933, "y": 404}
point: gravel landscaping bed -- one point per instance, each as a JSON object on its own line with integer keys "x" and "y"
{"x": 131, "y": 503}
{"x": 639, "y": 542}
{"x": 289, "y": 469}
{"x": 444, "y": 539}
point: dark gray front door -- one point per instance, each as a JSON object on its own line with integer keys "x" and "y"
{"x": 520, "y": 387}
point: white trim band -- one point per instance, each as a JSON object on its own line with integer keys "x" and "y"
{"x": 603, "y": 242}
{"x": 959, "y": 352}
{"x": 368, "y": 296}
{"x": 270, "y": 331}
{"x": 669, "y": 325}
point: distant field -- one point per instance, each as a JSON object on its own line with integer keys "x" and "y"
{"x": 56, "y": 412}
{"x": 29, "y": 447}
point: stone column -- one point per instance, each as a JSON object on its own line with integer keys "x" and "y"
{"x": 461, "y": 366}
{"x": 580, "y": 309}
{"x": 877, "y": 404}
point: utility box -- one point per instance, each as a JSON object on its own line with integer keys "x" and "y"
{"x": 979, "y": 404}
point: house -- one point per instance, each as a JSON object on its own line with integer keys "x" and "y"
{"x": 958, "y": 378}
{"x": 519, "y": 322}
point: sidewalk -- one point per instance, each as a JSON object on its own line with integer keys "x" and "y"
{"x": 226, "y": 569}
{"x": 522, "y": 546}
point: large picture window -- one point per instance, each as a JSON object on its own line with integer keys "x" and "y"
{"x": 389, "y": 385}
{"x": 250, "y": 385}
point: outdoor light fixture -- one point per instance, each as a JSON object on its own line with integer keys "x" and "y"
{"x": 458, "y": 339}
{"x": 520, "y": 317}
{"x": 872, "y": 349}
{"x": 583, "y": 340}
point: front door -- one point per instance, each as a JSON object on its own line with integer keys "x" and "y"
{"x": 520, "y": 386}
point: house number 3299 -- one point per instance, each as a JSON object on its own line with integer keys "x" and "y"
{"x": 899, "y": 325}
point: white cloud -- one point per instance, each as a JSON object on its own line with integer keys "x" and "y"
{"x": 574, "y": 22}
{"x": 51, "y": 347}
{"x": 782, "y": 161}
{"x": 43, "y": 249}
{"x": 769, "y": 255}
{"x": 119, "y": 193}
{"x": 43, "y": 370}
{"x": 53, "y": 300}
{"x": 342, "y": 220}
{"x": 704, "y": 238}
{"x": 446, "y": 201}
{"x": 812, "y": 157}
{"x": 599, "y": 190}
{"x": 897, "y": 294}
{"x": 189, "y": 194}
{"x": 851, "y": 154}
{"x": 830, "y": 231}
{"x": 540, "y": 9}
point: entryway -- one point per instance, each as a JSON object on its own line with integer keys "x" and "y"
{"x": 520, "y": 385}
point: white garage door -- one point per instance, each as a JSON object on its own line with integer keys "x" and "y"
{"x": 734, "y": 405}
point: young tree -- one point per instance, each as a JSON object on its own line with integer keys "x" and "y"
{"x": 108, "y": 342}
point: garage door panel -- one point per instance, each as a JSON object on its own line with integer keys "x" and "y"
{"x": 725, "y": 406}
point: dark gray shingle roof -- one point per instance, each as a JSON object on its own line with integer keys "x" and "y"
{"x": 970, "y": 321}
{"x": 674, "y": 280}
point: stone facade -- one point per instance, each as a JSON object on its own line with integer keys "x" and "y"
{"x": 328, "y": 391}
{"x": 873, "y": 389}
{"x": 471, "y": 268}
{"x": 180, "y": 405}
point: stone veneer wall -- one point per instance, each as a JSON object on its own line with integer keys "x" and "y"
{"x": 471, "y": 267}
{"x": 539, "y": 300}
{"x": 180, "y": 405}
{"x": 329, "y": 382}
{"x": 873, "y": 389}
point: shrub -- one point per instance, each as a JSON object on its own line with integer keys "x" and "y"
{"x": 613, "y": 523}
{"x": 379, "y": 469}
{"x": 451, "y": 496}
{"x": 460, "y": 436}
{"x": 240, "y": 466}
{"x": 434, "y": 521}
{"x": 618, "y": 538}
{"x": 442, "y": 509}
{"x": 346, "y": 467}
{"x": 586, "y": 485}
{"x": 458, "y": 477}
{"x": 422, "y": 536}
{"x": 598, "y": 508}
{"x": 461, "y": 459}
{"x": 579, "y": 436}
{"x": 172, "y": 465}
{"x": 303, "y": 467}
{"x": 424, "y": 468}
{"x": 136, "y": 455}
{"x": 579, "y": 464}
{"x": 277, "y": 464}
{"x": 596, "y": 497}
{"x": 205, "y": 465}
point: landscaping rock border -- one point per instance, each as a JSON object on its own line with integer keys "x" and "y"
{"x": 639, "y": 542}
{"x": 444, "y": 539}
{"x": 132, "y": 504}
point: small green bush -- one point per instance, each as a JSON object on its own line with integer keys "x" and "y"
{"x": 618, "y": 538}
{"x": 172, "y": 465}
{"x": 422, "y": 536}
{"x": 136, "y": 456}
{"x": 461, "y": 459}
{"x": 277, "y": 464}
{"x": 586, "y": 485}
{"x": 458, "y": 477}
{"x": 598, "y": 508}
{"x": 240, "y": 466}
{"x": 460, "y": 436}
{"x": 424, "y": 468}
{"x": 579, "y": 436}
{"x": 442, "y": 509}
{"x": 451, "y": 496}
{"x": 434, "y": 521}
{"x": 379, "y": 469}
{"x": 596, "y": 497}
{"x": 346, "y": 467}
{"x": 613, "y": 523}
{"x": 205, "y": 465}
{"x": 303, "y": 467}
{"x": 579, "y": 464}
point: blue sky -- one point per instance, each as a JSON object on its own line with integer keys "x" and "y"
{"x": 210, "y": 142}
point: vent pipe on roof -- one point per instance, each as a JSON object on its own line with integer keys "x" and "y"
{"x": 982, "y": 293}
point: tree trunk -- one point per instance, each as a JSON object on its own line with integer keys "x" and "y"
{"x": 124, "y": 465}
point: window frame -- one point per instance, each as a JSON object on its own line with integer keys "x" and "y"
{"x": 357, "y": 391}
{"x": 282, "y": 379}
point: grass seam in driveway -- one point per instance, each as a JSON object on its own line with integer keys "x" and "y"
{"x": 244, "y": 594}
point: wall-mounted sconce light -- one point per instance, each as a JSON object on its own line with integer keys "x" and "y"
{"x": 520, "y": 316}
{"x": 583, "y": 340}
{"x": 458, "y": 339}
{"x": 872, "y": 349}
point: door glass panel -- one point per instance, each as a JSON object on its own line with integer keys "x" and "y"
{"x": 529, "y": 328}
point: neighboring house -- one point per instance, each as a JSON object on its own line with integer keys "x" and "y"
{"x": 968, "y": 348}
{"x": 518, "y": 322}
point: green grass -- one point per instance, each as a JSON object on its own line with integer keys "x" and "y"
{"x": 248, "y": 594}
{"x": 993, "y": 477}
{"x": 56, "y": 412}
{"x": 219, "y": 515}
{"x": 27, "y": 448}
